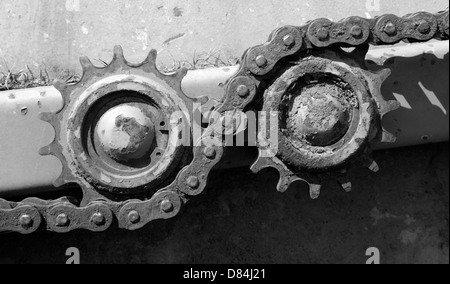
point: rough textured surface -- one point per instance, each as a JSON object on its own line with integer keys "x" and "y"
{"x": 55, "y": 33}
{"x": 402, "y": 210}
{"x": 317, "y": 114}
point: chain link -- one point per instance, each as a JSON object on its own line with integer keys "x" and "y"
{"x": 63, "y": 216}
{"x": 322, "y": 33}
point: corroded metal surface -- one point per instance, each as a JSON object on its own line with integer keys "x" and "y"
{"x": 134, "y": 170}
{"x": 346, "y": 112}
{"x": 306, "y": 152}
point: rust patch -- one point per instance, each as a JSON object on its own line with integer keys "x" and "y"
{"x": 177, "y": 12}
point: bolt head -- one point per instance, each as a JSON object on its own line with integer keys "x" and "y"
{"x": 167, "y": 206}
{"x": 261, "y": 61}
{"x": 356, "y": 31}
{"x": 193, "y": 182}
{"x": 62, "y": 220}
{"x": 243, "y": 91}
{"x": 288, "y": 40}
{"x": 98, "y": 219}
{"x": 424, "y": 27}
{"x": 390, "y": 28}
{"x": 134, "y": 217}
{"x": 318, "y": 116}
{"x": 25, "y": 220}
{"x": 210, "y": 152}
{"x": 322, "y": 34}
{"x": 126, "y": 132}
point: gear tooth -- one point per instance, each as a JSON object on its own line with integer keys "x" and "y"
{"x": 47, "y": 150}
{"x": 314, "y": 190}
{"x": 181, "y": 73}
{"x": 151, "y": 57}
{"x": 259, "y": 165}
{"x": 59, "y": 182}
{"x": 118, "y": 53}
{"x": 65, "y": 177}
{"x": 60, "y": 85}
{"x": 373, "y": 166}
{"x": 388, "y": 137}
{"x": 86, "y": 64}
{"x": 389, "y": 106}
{"x": 383, "y": 74}
{"x": 347, "y": 186}
{"x": 377, "y": 78}
{"x": 284, "y": 182}
{"x": 46, "y": 116}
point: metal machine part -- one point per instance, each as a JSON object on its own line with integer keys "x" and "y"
{"x": 328, "y": 105}
{"x": 119, "y": 134}
{"x": 330, "y": 110}
{"x": 123, "y": 136}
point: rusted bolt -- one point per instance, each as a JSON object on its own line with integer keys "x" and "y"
{"x": 390, "y": 28}
{"x": 261, "y": 61}
{"x": 134, "y": 217}
{"x": 126, "y": 132}
{"x": 167, "y": 206}
{"x": 424, "y": 27}
{"x": 322, "y": 34}
{"x": 25, "y": 220}
{"x": 318, "y": 116}
{"x": 193, "y": 182}
{"x": 356, "y": 31}
{"x": 288, "y": 40}
{"x": 209, "y": 152}
{"x": 243, "y": 91}
{"x": 62, "y": 220}
{"x": 98, "y": 219}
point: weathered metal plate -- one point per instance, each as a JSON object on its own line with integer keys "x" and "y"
{"x": 22, "y": 135}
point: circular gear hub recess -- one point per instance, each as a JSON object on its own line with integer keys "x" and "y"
{"x": 329, "y": 109}
{"x": 122, "y": 128}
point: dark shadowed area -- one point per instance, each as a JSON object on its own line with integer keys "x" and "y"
{"x": 402, "y": 210}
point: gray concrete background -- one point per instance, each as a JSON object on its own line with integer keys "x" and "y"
{"x": 53, "y": 34}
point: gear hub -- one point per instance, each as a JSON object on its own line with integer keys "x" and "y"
{"x": 122, "y": 129}
{"x": 330, "y": 109}
{"x": 318, "y": 115}
{"x": 126, "y": 133}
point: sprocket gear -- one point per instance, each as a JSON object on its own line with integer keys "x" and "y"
{"x": 118, "y": 133}
{"x": 328, "y": 109}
